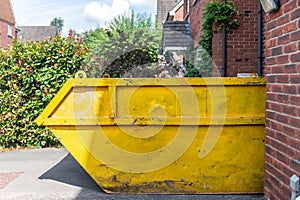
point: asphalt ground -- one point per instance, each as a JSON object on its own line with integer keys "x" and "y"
{"x": 54, "y": 174}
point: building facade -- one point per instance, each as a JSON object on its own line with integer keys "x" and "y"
{"x": 282, "y": 69}
{"x": 7, "y": 23}
{"x": 242, "y": 43}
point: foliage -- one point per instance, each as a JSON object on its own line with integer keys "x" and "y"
{"x": 192, "y": 71}
{"x": 30, "y": 76}
{"x": 128, "y": 43}
{"x": 58, "y": 22}
{"x": 223, "y": 15}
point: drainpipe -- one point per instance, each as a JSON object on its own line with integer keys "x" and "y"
{"x": 224, "y": 49}
{"x": 260, "y": 44}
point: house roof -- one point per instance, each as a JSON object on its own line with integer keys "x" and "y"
{"x": 173, "y": 10}
{"x": 6, "y": 12}
{"x": 36, "y": 33}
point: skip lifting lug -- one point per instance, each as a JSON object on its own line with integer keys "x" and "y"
{"x": 81, "y": 78}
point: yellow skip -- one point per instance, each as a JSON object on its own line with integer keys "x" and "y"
{"x": 191, "y": 135}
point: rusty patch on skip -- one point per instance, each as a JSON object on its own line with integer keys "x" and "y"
{"x": 6, "y": 178}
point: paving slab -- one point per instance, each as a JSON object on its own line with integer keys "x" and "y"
{"x": 54, "y": 174}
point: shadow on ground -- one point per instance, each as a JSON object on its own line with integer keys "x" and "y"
{"x": 68, "y": 171}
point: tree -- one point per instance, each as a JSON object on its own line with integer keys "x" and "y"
{"x": 58, "y": 22}
{"x": 129, "y": 44}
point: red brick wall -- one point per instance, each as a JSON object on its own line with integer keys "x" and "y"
{"x": 242, "y": 43}
{"x": 282, "y": 68}
{"x": 179, "y": 14}
{"x": 4, "y": 38}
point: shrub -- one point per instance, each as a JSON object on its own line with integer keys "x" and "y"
{"x": 30, "y": 75}
{"x": 127, "y": 48}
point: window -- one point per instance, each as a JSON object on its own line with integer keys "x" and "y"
{"x": 9, "y": 30}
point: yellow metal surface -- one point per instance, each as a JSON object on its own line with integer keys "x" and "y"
{"x": 196, "y": 135}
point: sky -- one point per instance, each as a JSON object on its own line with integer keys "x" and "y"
{"x": 77, "y": 14}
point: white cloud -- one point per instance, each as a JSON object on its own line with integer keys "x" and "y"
{"x": 96, "y": 11}
{"x": 147, "y": 3}
{"x": 137, "y": 2}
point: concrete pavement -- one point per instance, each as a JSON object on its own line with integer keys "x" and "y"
{"x": 54, "y": 174}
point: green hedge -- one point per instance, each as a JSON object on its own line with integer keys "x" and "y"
{"x": 31, "y": 74}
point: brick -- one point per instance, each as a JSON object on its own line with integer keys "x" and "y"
{"x": 289, "y": 6}
{"x": 282, "y": 158}
{"x": 283, "y": 20}
{"x": 270, "y": 151}
{"x": 282, "y": 118}
{"x": 295, "y": 143}
{"x": 289, "y": 48}
{"x": 277, "y": 145}
{"x": 289, "y": 89}
{"x": 295, "y": 165}
{"x": 276, "y": 107}
{"x": 289, "y": 110}
{"x": 271, "y": 115}
{"x": 295, "y": 100}
{"x": 271, "y": 25}
{"x": 282, "y": 59}
{"x": 284, "y": 39}
{"x": 270, "y": 168}
{"x": 276, "y": 32}
{"x": 287, "y": 150}
{"x": 282, "y": 78}
{"x": 291, "y": 68}
{"x": 277, "y": 69}
{"x": 295, "y": 36}
{"x": 296, "y": 13}
{"x": 271, "y": 79}
{"x": 294, "y": 121}
{"x": 270, "y": 61}
{"x": 289, "y": 131}
{"x": 282, "y": 98}
{"x": 295, "y": 79}
{"x": 268, "y": 52}
{"x": 295, "y": 57}
{"x": 276, "y": 51}
{"x": 281, "y": 137}
{"x": 287, "y": 170}
{"x": 276, "y": 88}
{"x": 268, "y": 139}
{"x": 290, "y": 27}
{"x": 273, "y": 43}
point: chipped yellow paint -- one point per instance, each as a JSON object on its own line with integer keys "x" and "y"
{"x": 194, "y": 135}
